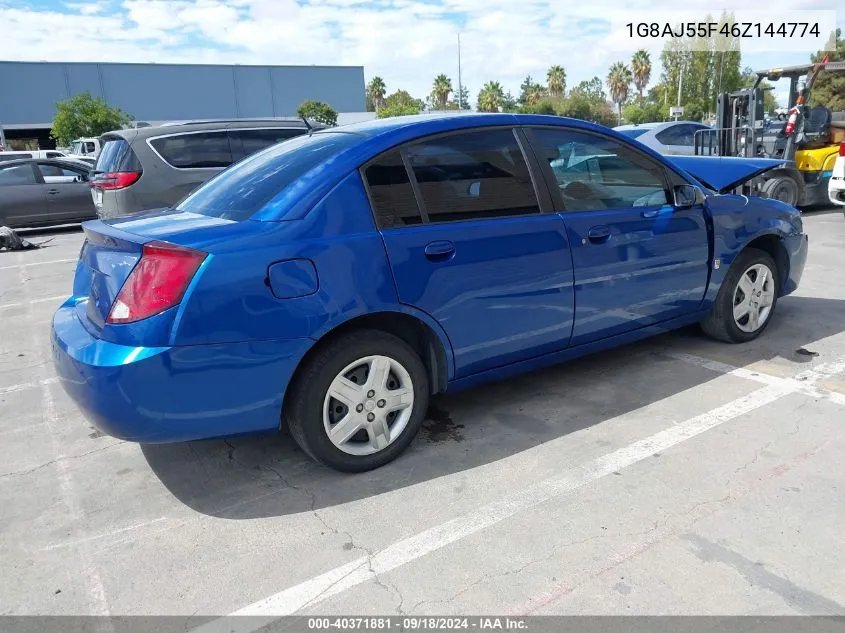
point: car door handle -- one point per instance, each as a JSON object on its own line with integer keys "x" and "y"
{"x": 439, "y": 250}
{"x": 651, "y": 213}
{"x": 52, "y": 192}
{"x": 599, "y": 234}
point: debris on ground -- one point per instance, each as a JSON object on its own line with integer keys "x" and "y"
{"x": 11, "y": 241}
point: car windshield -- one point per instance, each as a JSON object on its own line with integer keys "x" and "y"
{"x": 248, "y": 186}
{"x": 633, "y": 133}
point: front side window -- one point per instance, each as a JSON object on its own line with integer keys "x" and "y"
{"x": 55, "y": 171}
{"x": 195, "y": 151}
{"x": 392, "y": 196}
{"x": 17, "y": 175}
{"x": 595, "y": 173}
{"x": 473, "y": 175}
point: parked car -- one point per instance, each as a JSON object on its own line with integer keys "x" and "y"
{"x": 85, "y": 147}
{"x": 156, "y": 166}
{"x": 673, "y": 137}
{"x": 8, "y": 155}
{"x": 836, "y": 186}
{"x": 38, "y": 192}
{"x": 335, "y": 281}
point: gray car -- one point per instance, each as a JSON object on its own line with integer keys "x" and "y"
{"x": 39, "y": 192}
{"x": 154, "y": 167}
{"x": 672, "y": 137}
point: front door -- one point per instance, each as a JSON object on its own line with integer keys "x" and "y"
{"x": 477, "y": 254}
{"x": 68, "y": 193}
{"x": 637, "y": 259}
{"x": 22, "y": 198}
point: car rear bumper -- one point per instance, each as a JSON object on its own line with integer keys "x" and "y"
{"x": 172, "y": 394}
{"x": 836, "y": 190}
{"x": 796, "y": 246}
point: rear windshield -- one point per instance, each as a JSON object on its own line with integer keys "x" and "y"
{"x": 248, "y": 186}
{"x": 632, "y": 133}
{"x": 116, "y": 155}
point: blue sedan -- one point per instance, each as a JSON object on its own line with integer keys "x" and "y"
{"x": 334, "y": 282}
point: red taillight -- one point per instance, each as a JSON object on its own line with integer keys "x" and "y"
{"x": 842, "y": 148}
{"x": 157, "y": 282}
{"x": 115, "y": 179}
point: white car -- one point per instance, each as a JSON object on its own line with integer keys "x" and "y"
{"x": 671, "y": 137}
{"x": 836, "y": 186}
{"x": 36, "y": 153}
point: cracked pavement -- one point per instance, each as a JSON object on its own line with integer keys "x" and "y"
{"x": 743, "y": 518}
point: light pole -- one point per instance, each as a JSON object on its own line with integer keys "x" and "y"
{"x": 460, "y": 85}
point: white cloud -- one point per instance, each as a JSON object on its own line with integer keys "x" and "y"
{"x": 407, "y": 42}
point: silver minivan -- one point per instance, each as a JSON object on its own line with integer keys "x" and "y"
{"x": 155, "y": 167}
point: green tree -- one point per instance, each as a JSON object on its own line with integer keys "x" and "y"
{"x": 530, "y": 91}
{"x": 376, "y": 90}
{"x": 556, "y": 79}
{"x": 641, "y": 67}
{"x": 440, "y": 91}
{"x": 464, "y": 103}
{"x": 509, "y": 103}
{"x": 642, "y": 112}
{"x": 829, "y": 89}
{"x": 592, "y": 90}
{"x": 490, "y": 97}
{"x": 84, "y": 115}
{"x": 317, "y": 111}
{"x": 619, "y": 83}
{"x": 400, "y": 103}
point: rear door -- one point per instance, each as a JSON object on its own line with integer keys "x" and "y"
{"x": 469, "y": 245}
{"x": 22, "y": 197}
{"x": 190, "y": 158}
{"x": 68, "y": 193}
{"x": 638, "y": 260}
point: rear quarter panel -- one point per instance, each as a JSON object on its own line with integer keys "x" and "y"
{"x": 739, "y": 220}
{"x": 233, "y": 302}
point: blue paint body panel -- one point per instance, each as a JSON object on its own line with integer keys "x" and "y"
{"x": 499, "y": 295}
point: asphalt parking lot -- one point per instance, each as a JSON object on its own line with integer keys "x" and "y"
{"x": 674, "y": 476}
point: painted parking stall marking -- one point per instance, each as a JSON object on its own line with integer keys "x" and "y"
{"x": 339, "y": 579}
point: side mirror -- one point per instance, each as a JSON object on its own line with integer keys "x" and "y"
{"x": 687, "y": 196}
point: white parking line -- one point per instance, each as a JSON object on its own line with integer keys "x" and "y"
{"x": 339, "y": 579}
{"x": 23, "y": 303}
{"x": 27, "y": 385}
{"x": 802, "y": 383}
{"x": 51, "y": 261}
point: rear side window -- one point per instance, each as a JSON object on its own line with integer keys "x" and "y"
{"x": 250, "y": 141}
{"x": 17, "y": 175}
{"x": 117, "y": 156}
{"x": 391, "y": 194}
{"x": 195, "y": 151}
{"x": 473, "y": 175}
{"x": 262, "y": 179}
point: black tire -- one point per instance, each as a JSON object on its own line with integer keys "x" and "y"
{"x": 781, "y": 188}
{"x": 720, "y": 323}
{"x": 304, "y": 403}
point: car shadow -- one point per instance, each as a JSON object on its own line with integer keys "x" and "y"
{"x": 265, "y": 476}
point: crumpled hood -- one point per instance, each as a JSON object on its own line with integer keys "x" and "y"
{"x": 724, "y": 173}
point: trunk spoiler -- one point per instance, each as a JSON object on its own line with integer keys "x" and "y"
{"x": 723, "y": 174}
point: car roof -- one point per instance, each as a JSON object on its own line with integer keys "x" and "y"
{"x": 655, "y": 125}
{"x": 203, "y": 125}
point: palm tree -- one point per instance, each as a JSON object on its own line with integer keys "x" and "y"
{"x": 441, "y": 90}
{"x": 556, "y": 78}
{"x": 376, "y": 91}
{"x": 619, "y": 82}
{"x": 490, "y": 97}
{"x": 641, "y": 65}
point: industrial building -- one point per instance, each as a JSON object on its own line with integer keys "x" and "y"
{"x": 154, "y": 93}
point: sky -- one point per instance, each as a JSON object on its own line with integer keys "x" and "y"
{"x": 406, "y": 42}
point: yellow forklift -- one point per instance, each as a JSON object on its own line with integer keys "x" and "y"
{"x": 806, "y": 138}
